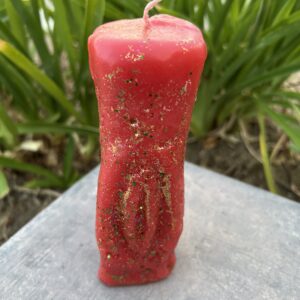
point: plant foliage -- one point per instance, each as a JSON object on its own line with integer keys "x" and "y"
{"x": 253, "y": 48}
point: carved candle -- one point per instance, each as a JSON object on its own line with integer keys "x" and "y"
{"x": 146, "y": 74}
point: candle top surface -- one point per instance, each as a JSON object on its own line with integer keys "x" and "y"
{"x": 161, "y": 28}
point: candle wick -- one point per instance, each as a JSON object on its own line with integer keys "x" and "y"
{"x": 148, "y": 7}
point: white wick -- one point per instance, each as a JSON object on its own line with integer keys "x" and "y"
{"x": 148, "y": 7}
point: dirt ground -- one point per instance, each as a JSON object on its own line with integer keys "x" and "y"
{"x": 233, "y": 155}
{"x": 234, "y": 160}
{"x": 20, "y": 206}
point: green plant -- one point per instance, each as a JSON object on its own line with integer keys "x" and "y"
{"x": 44, "y": 67}
{"x": 253, "y": 48}
{"x": 4, "y": 188}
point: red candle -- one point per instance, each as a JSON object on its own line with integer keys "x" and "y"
{"x": 146, "y": 74}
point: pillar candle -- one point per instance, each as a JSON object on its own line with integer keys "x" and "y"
{"x": 146, "y": 74}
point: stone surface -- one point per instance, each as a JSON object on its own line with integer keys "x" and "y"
{"x": 239, "y": 242}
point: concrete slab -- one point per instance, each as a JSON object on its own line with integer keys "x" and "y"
{"x": 239, "y": 242}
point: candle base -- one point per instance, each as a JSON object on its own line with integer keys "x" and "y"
{"x": 138, "y": 275}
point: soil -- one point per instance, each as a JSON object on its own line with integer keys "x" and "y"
{"x": 20, "y": 206}
{"x": 234, "y": 160}
{"x": 234, "y": 155}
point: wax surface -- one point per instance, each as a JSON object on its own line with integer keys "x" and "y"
{"x": 146, "y": 80}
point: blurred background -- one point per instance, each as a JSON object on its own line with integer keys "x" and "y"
{"x": 246, "y": 121}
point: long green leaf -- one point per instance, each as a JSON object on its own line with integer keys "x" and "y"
{"x": 64, "y": 33}
{"x": 16, "y": 24}
{"x": 47, "y": 128}
{"x": 285, "y": 11}
{"x": 94, "y": 13}
{"x": 35, "y": 30}
{"x": 28, "y": 67}
{"x": 164, "y": 10}
{"x": 75, "y": 16}
{"x": 259, "y": 79}
{"x": 292, "y": 130}
{"x": 4, "y": 187}
{"x": 8, "y": 131}
{"x": 113, "y": 13}
{"x": 25, "y": 94}
{"x": 265, "y": 155}
{"x": 220, "y": 21}
{"x": 131, "y": 6}
{"x": 30, "y": 168}
{"x": 5, "y": 33}
{"x": 69, "y": 157}
{"x": 45, "y": 184}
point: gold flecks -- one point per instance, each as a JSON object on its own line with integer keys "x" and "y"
{"x": 111, "y": 75}
{"x": 117, "y": 277}
{"x": 121, "y": 96}
{"x": 158, "y": 148}
{"x": 134, "y": 57}
{"x": 174, "y": 159}
{"x": 126, "y": 196}
{"x": 184, "y": 89}
{"x": 115, "y": 146}
{"x": 165, "y": 187}
{"x": 147, "y": 201}
{"x": 113, "y": 149}
{"x": 185, "y": 49}
{"x": 107, "y": 210}
{"x": 134, "y": 123}
{"x": 113, "y": 249}
{"x": 130, "y": 80}
{"x": 108, "y": 256}
{"x": 116, "y": 229}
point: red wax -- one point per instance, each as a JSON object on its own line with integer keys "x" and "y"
{"x": 146, "y": 79}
